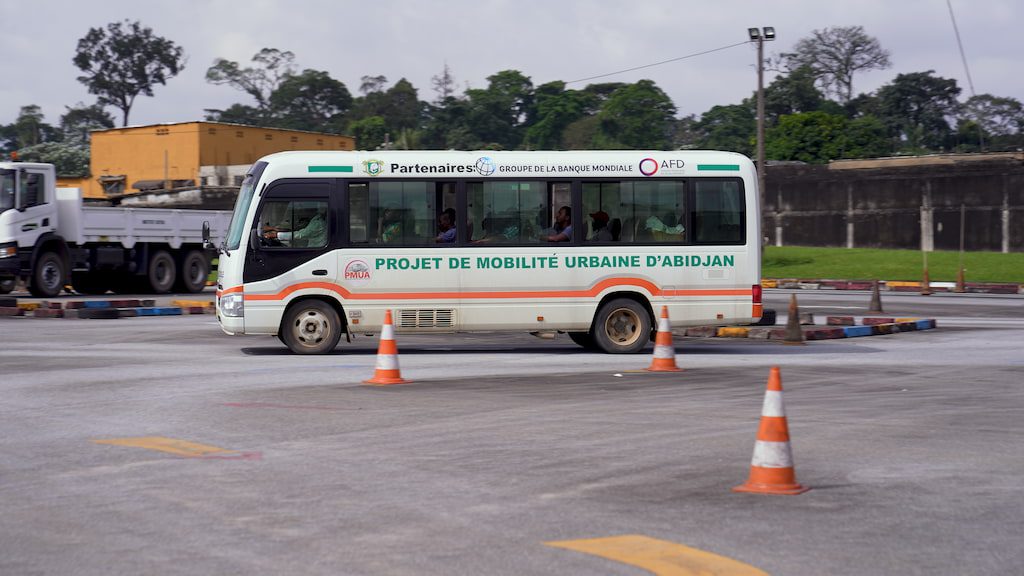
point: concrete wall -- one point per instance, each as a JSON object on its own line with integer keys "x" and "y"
{"x": 907, "y": 203}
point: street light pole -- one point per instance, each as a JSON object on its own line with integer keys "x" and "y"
{"x": 760, "y": 36}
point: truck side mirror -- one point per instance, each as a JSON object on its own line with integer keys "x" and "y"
{"x": 207, "y": 245}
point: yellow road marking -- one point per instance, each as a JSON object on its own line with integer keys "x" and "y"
{"x": 169, "y": 445}
{"x": 660, "y": 557}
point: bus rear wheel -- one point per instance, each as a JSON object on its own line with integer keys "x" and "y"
{"x": 310, "y": 327}
{"x": 622, "y": 326}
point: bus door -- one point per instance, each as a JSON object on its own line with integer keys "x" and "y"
{"x": 290, "y": 249}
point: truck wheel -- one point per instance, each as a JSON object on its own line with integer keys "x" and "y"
{"x": 310, "y": 327}
{"x": 48, "y": 276}
{"x": 195, "y": 269}
{"x": 161, "y": 272}
{"x": 7, "y": 286}
{"x": 622, "y": 326}
{"x": 89, "y": 283}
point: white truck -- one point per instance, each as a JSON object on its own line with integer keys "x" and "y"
{"x": 49, "y": 239}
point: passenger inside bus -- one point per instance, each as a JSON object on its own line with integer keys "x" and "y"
{"x": 447, "y": 232}
{"x": 563, "y": 226}
{"x": 389, "y": 226}
{"x": 600, "y": 228}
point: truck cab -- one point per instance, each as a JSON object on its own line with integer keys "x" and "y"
{"x": 28, "y": 224}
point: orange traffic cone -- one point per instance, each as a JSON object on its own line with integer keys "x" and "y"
{"x": 387, "y": 371}
{"x": 664, "y": 352}
{"x": 771, "y": 471}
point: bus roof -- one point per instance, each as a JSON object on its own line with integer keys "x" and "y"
{"x": 501, "y": 164}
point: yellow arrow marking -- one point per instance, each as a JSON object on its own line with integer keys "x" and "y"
{"x": 169, "y": 445}
{"x": 660, "y": 557}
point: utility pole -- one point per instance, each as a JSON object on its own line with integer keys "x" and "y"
{"x": 760, "y": 35}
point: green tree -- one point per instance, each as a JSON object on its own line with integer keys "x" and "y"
{"x": 583, "y": 134}
{"x": 125, "y": 60}
{"x": 638, "y": 116}
{"x": 813, "y": 137}
{"x": 29, "y": 128}
{"x": 270, "y": 68}
{"x": 311, "y": 101}
{"x": 238, "y": 114}
{"x": 68, "y": 160}
{"x": 497, "y": 116}
{"x": 557, "y": 108}
{"x": 1001, "y": 120}
{"x": 402, "y": 107}
{"x": 732, "y": 128}
{"x": 443, "y": 84}
{"x": 793, "y": 93}
{"x": 80, "y": 120}
{"x": 817, "y": 137}
{"x": 835, "y": 55}
{"x": 369, "y": 132}
{"x": 915, "y": 108}
{"x": 865, "y": 137}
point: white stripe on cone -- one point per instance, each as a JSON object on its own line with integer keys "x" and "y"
{"x": 387, "y": 362}
{"x": 663, "y": 325}
{"x": 773, "y": 404}
{"x": 387, "y": 332}
{"x": 772, "y": 455}
{"x": 664, "y": 352}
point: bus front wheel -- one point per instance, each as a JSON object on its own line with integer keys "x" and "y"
{"x": 622, "y": 326}
{"x": 311, "y": 327}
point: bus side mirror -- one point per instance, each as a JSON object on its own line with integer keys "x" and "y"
{"x": 207, "y": 245}
{"x": 254, "y": 239}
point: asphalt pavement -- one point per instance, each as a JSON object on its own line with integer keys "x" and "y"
{"x": 162, "y": 446}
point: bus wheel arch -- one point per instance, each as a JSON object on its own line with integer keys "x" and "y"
{"x": 623, "y": 323}
{"x": 312, "y": 325}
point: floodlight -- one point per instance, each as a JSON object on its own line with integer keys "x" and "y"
{"x": 754, "y": 33}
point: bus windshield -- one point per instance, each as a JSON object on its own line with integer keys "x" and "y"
{"x": 6, "y": 190}
{"x": 242, "y": 203}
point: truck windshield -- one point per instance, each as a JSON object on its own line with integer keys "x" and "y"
{"x": 6, "y": 190}
{"x": 242, "y": 203}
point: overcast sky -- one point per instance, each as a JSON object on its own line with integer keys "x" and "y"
{"x": 544, "y": 39}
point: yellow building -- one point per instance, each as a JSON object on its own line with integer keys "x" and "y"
{"x": 189, "y": 154}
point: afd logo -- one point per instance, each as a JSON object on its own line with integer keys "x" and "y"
{"x": 650, "y": 166}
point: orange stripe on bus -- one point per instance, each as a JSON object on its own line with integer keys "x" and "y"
{"x": 593, "y": 291}
{"x": 230, "y": 290}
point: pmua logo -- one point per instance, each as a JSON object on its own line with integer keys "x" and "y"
{"x": 357, "y": 272}
{"x": 373, "y": 167}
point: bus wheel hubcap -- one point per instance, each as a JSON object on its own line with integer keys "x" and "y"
{"x": 311, "y": 328}
{"x": 623, "y": 326}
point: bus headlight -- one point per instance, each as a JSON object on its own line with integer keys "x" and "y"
{"x": 231, "y": 306}
{"x": 8, "y": 250}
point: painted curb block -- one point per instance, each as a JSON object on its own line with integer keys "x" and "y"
{"x": 870, "y": 327}
{"x": 890, "y": 285}
{"x": 840, "y": 321}
{"x": 159, "y": 311}
{"x": 11, "y": 311}
{"x": 855, "y": 331}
